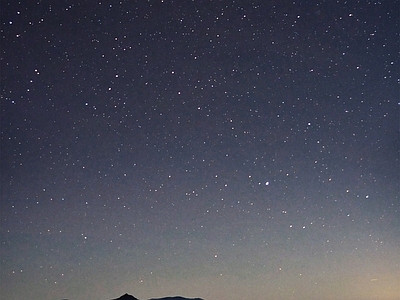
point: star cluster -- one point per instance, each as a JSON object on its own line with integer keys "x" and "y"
{"x": 215, "y": 149}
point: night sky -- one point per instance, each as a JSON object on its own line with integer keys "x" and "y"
{"x": 225, "y": 150}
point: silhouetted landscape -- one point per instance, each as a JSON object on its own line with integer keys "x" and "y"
{"x": 130, "y": 297}
{"x": 126, "y": 297}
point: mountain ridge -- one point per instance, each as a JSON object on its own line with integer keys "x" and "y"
{"x": 130, "y": 297}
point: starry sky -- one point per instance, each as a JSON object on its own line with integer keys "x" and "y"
{"x": 223, "y": 149}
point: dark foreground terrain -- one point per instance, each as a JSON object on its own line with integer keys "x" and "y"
{"x": 130, "y": 297}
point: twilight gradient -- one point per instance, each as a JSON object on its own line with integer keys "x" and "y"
{"x": 218, "y": 149}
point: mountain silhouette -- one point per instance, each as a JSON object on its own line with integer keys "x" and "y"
{"x": 126, "y": 297}
{"x": 130, "y": 297}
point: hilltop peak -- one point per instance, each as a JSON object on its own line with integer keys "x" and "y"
{"x": 130, "y": 297}
{"x": 126, "y": 297}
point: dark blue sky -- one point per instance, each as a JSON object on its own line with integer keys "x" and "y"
{"x": 213, "y": 149}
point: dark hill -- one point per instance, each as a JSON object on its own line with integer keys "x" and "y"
{"x": 130, "y": 297}
{"x": 126, "y": 297}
